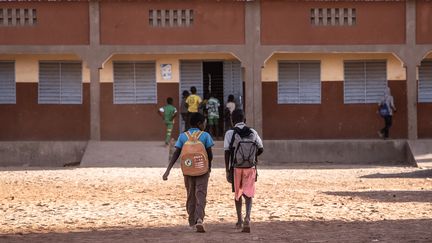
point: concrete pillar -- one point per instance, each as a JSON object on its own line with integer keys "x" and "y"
{"x": 94, "y": 23}
{"x": 411, "y": 74}
{"x": 411, "y": 68}
{"x": 94, "y": 70}
{"x": 252, "y": 68}
{"x": 94, "y": 104}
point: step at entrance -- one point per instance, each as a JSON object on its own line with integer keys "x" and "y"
{"x": 125, "y": 154}
{"x": 421, "y": 150}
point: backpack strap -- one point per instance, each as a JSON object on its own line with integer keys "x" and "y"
{"x": 198, "y": 134}
{"x": 231, "y": 147}
{"x": 189, "y": 135}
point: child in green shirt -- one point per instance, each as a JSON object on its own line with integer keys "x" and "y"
{"x": 168, "y": 113}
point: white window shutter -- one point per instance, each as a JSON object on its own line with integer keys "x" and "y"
{"x": 299, "y": 82}
{"x": 425, "y": 82}
{"x": 7, "y": 82}
{"x": 364, "y": 81}
{"x": 60, "y": 82}
{"x": 135, "y": 83}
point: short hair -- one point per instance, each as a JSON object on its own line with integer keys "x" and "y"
{"x": 185, "y": 93}
{"x": 169, "y": 100}
{"x": 238, "y": 115}
{"x": 196, "y": 118}
{"x": 193, "y": 90}
{"x": 230, "y": 98}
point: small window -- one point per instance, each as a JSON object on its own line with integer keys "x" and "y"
{"x": 135, "y": 83}
{"x": 60, "y": 82}
{"x": 365, "y": 81}
{"x": 299, "y": 82}
{"x": 7, "y": 82}
{"x": 425, "y": 82}
{"x": 171, "y": 17}
{"x": 17, "y": 17}
{"x": 333, "y": 16}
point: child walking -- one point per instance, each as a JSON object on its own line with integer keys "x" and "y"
{"x": 168, "y": 113}
{"x": 386, "y": 110}
{"x": 242, "y": 145}
{"x": 196, "y": 186}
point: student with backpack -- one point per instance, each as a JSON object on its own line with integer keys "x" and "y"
{"x": 386, "y": 109}
{"x": 242, "y": 146}
{"x": 194, "y": 149}
{"x": 168, "y": 113}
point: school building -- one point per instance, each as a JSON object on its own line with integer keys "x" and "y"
{"x": 78, "y": 71}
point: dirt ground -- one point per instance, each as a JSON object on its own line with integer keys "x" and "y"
{"x": 300, "y": 204}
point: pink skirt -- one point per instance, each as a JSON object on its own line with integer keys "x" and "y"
{"x": 244, "y": 182}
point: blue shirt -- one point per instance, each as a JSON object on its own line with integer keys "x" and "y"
{"x": 205, "y": 138}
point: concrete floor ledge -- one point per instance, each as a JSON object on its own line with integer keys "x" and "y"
{"x": 125, "y": 154}
{"x": 41, "y": 153}
{"x": 336, "y": 151}
{"x": 155, "y": 154}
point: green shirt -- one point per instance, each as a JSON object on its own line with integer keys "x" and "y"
{"x": 168, "y": 113}
{"x": 213, "y": 108}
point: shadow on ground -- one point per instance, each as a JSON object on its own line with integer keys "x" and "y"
{"x": 414, "y": 174}
{"x": 276, "y": 231}
{"x": 389, "y": 196}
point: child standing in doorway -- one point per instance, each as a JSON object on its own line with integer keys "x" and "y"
{"x": 229, "y": 108}
{"x": 213, "y": 115}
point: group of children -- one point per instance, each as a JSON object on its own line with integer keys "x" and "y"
{"x": 240, "y": 167}
{"x": 192, "y": 103}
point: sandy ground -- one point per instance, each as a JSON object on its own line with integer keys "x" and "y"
{"x": 331, "y": 204}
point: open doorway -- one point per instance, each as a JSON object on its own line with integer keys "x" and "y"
{"x": 222, "y": 78}
{"x": 213, "y": 83}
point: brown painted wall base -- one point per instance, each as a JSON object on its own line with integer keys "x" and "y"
{"x": 332, "y": 119}
{"x": 27, "y": 120}
{"x": 135, "y": 122}
{"x": 424, "y": 120}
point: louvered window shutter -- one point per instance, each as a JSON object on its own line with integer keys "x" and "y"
{"x": 299, "y": 82}
{"x": 233, "y": 81}
{"x": 365, "y": 81}
{"x": 191, "y": 74}
{"x": 135, "y": 83}
{"x": 7, "y": 83}
{"x": 425, "y": 82}
{"x": 60, "y": 83}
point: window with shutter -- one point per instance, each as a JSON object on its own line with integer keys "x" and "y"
{"x": 365, "y": 81}
{"x": 60, "y": 82}
{"x": 299, "y": 82}
{"x": 233, "y": 81}
{"x": 135, "y": 83}
{"x": 7, "y": 82}
{"x": 425, "y": 82}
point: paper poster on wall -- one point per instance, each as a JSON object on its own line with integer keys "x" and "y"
{"x": 166, "y": 71}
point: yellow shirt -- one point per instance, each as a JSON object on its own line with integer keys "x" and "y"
{"x": 193, "y": 102}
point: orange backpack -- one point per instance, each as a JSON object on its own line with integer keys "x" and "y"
{"x": 193, "y": 157}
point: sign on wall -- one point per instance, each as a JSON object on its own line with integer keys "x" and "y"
{"x": 166, "y": 71}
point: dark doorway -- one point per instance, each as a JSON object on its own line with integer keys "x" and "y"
{"x": 213, "y": 83}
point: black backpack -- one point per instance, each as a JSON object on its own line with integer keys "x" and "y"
{"x": 243, "y": 148}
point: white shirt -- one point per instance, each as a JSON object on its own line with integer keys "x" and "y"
{"x": 229, "y": 134}
{"x": 231, "y": 106}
